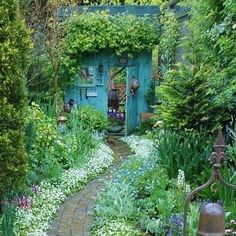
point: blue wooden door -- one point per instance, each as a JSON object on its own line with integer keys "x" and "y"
{"x": 131, "y": 102}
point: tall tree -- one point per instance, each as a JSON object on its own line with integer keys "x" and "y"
{"x": 199, "y": 94}
{"x": 42, "y": 17}
{"x": 14, "y": 46}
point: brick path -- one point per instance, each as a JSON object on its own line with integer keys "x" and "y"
{"x": 75, "y": 216}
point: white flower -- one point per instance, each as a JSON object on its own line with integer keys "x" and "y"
{"x": 36, "y": 220}
{"x": 142, "y": 147}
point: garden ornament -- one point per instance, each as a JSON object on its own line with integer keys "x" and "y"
{"x": 134, "y": 85}
{"x": 212, "y": 218}
{"x": 211, "y": 215}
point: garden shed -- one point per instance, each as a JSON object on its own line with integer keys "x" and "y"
{"x": 115, "y": 84}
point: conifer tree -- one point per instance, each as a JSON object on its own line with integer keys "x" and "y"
{"x": 191, "y": 91}
{"x": 14, "y": 45}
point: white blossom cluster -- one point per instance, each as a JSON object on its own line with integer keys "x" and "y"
{"x": 181, "y": 184}
{"x": 36, "y": 219}
{"x": 142, "y": 147}
{"x": 73, "y": 179}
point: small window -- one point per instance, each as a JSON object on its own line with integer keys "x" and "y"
{"x": 86, "y": 76}
{"x": 99, "y": 78}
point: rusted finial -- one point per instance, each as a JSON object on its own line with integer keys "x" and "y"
{"x": 218, "y": 155}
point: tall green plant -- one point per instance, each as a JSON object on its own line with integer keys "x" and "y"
{"x": 7, "y": 223}
{"x": 213, "y": 23}
{"x": 188, "y": 152}
{"x": 200, "y": 93}
{"x": 187, "y": 100}
{"x": 80, "y": 137}
{"x": 168, "y": 42}
{"x": 14, "y": 48}
{"x": 89, "y": 117}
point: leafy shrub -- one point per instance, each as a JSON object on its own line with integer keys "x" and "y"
{"x": 78, "y": 141}
{"x": 91, "y": 32}
{"x": 90, "y": 118}
{"x": 117, "y": 227}
{"x": 116, "y": 202}
{"x": 185, "y": 102}
{"x": 41, "y": 138}
{"x": 50, "y": 151}
{"x": 188, "y": 152}
{"x": 14, "y": 48}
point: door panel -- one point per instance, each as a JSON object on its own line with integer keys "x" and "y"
{"x": 131, "y": 102}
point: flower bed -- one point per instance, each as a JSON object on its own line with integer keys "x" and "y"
{"x": 35, "y": 213}
{"x": 141, "y": 146}
{"x": 141, "y": 196}
{"x": 144, "y": 196}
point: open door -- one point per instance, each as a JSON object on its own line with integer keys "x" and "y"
{"x": 131, "y": 102}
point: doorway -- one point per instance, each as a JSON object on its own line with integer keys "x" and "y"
{"x": 116, "y": 109}
{"x": 122, "y": 100}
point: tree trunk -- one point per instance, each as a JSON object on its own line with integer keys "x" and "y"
{"x": 55, "y": 87}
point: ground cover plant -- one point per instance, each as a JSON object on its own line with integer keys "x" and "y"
{"x": 143, "y": 195}
{"x": 35, "y": 211}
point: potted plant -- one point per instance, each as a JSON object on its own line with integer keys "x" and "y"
{"x": 116, "y": 121}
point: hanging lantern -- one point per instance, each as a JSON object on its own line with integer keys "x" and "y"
{"x": 212, "y": 220}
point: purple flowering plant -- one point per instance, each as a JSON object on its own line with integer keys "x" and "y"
{"x": 24, "y": 202}
{"x": 115, "y": 117}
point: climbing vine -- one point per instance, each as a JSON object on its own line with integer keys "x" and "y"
{"x": 90, "y": 33}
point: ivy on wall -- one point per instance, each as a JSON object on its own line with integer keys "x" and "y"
{"x": 90, "y": 33}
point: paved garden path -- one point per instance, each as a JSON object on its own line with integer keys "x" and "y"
{"x": 75, "y": 216}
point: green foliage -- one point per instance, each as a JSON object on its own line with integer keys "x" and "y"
{"x": 193, "y": 219}
{"x": 226, "y": 194}
{"x": 117, "y": 227}
{"x": 50, "y": 151}
{"x": 188, "y": 152}
{"x": 89, "y": 33}
{"x": 150, "y": 95}
{"x": 41, "y": 139}
{"x": 7, "y": 222}
{"x": 187, "y": 102}
{"x": 116, "y": 202}
{"x": 14, "y": 47}
{"x": 133, "y": 2}
{"x": 219, "y": 40}
{"x": 168, "y": 42}
{"x": 78, "y": 138}
{"x": 200, "y": 92}
{"x": 90, "y": 118}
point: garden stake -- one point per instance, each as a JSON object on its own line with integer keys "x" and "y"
{"x": 217, "y": 158}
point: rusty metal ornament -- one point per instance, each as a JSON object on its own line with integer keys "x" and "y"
{"x": 217, "y": 158}
{"x": 212, "y": 220}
